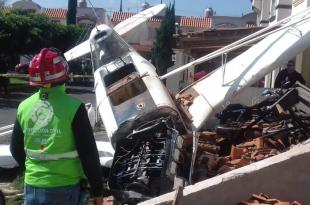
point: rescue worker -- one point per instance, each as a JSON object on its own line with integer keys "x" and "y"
{"x": 53, "y": 139}
{"x": 288, "y": 77}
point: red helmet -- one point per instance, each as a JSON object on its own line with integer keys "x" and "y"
{"x": 48, "y": 67}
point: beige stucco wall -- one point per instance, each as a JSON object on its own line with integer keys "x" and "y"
{"x": 285, "y": 176}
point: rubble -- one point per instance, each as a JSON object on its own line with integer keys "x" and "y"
{"x": 251, "y": 134}
{"x": 261, "y": 148}
{"x": 263, "y": 199}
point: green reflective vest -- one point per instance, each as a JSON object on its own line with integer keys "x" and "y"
{"x": 51, "y": 157}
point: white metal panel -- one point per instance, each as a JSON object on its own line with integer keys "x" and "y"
{"x": 136, "y": 20}
{"x": 104, "y": 106}
{"x": 106, "y": 153}
{"x": 158, "y": 91}
{"x": 142, "y": 65}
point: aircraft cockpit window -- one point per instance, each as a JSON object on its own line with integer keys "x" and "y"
{"x": 119, "y": 74}
{"x": 107, "y": 49}
{"x": 129, "y": 87}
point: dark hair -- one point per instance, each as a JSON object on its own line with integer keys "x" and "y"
{"x": 291, "y": 62}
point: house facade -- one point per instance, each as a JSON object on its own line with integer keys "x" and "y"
{"x": 201, "y": 36}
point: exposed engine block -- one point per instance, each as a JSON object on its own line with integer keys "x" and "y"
{"x": 146, "y": 160}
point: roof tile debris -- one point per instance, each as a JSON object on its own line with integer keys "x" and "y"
{"x": 250, "y": 134}
{"x": 264, "y": 199}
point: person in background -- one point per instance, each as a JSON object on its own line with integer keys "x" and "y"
{"x": 288, "y": 77}
{"x": 52, "y": 138}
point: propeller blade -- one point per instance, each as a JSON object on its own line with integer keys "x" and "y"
{"x": 122, "y": 28}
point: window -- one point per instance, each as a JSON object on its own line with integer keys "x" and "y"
{"x": 107, "y": 47}
{"x": 132, "y": 88}
{"x": 124, "y": 84}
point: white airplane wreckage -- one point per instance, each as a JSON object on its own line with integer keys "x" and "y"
{"x": 150, "y": 132}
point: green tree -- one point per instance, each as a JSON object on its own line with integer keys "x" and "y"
{"x": 71, "y": 15}
{"x": 162, "y": 47}
{"x": 24, "y": 33}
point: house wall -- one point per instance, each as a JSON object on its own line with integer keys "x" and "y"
{"x": 262, "y": 8}
{"x": 177, "y": 82}
{"x": 228, "y": 22}
{"x": 284, "y": 176}
{"x": 88, "y": 12}
{"x": 303, "y": 59}
{"x": 283, "y": 8}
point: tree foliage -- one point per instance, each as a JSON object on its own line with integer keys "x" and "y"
{"x": 24, "y": 33}
{"x": 162, "y": 47}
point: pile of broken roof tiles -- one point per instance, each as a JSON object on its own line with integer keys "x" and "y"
{"x": 234, "y": 144}
{"x": 263, "y": 199}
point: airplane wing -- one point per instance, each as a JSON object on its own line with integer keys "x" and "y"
{"x": 125, "y": 26}
{"x": 78, "y": 51}
{"x": 122, "y": 28}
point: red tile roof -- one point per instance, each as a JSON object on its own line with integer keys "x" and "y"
{"x": 56, "y": 13}
{"x": 250, "y": 25}
{"x": 196, "y": 22}
{"x": 121, "y": 16}
{"x": 5, "y": 9}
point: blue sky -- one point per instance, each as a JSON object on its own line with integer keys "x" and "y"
{"x": 183, "y": 7}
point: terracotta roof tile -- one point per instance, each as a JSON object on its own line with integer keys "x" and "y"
{"x": 5, "y": 9}
{"x": 56, "y": 13}
{"x": 49, "y": 12}
{"x": 121, "y": 16}
{"x": 196, "y": 22}
{"x": 251, "y": 25}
